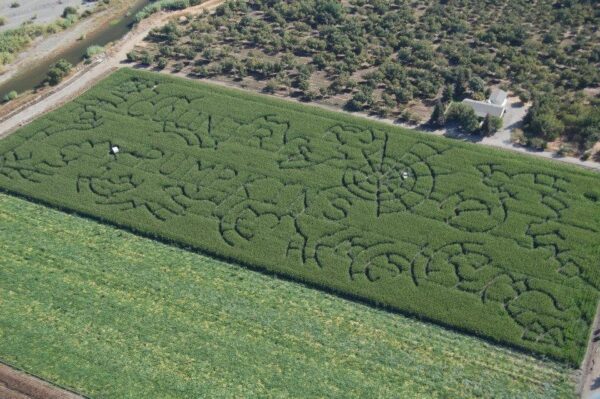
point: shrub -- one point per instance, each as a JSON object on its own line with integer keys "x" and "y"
{"x": 92, "y": 51}
{"x": 58, "y": 71}
{"x": 517, "y": 136}
{"x": 270, "y": 87}
{"x": 161, "y": 62}
{"x": 541, "y": 120}
{"x": 537, "y": 143}
{"x": 146, "y": 58}
{"x": 491, "y": 124}
{"x": 566, "y": 149}
{"x": 69, "y": 11}
{"x": 438, "y": 116}
{"x": 132, "y": 56}
{"x": 11, "y": 95}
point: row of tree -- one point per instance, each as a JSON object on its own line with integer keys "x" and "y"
{"x": 385, "y": 55}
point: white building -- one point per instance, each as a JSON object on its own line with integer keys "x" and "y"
{"x": 498, "y": 97}
{"x": 494, "y": 106}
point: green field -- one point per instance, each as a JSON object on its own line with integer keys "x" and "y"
{"x": 113, "y": 315}
{"x": 496, "y": 244}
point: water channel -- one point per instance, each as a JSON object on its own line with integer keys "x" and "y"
{"x": 33, "y": 77}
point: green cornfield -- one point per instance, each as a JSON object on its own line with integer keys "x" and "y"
{"x": 488, "y": 242}
{"x": 113, "y": 315}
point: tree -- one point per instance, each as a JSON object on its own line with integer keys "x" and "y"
{"x": 132, "y": 56}
{"x": 548, "y": 125}
{"x": 69, "y": 11}
{"x": 541, "y": 120}
{"x": 448, "y": 94}
{"x": 381, "y": 110}
{"x": 524, "y": 96}
{"x": 438, "y": 116}
{"x": 338, "y": 84}
{"x": 310, "y": 95}
{"x": 403, "y": 94}
{"x": 303, "y": 84}
{"x": 359, "y": 100}
{"x": 328, "y": 12}
{"x": 566, "y": 149}
{"x": 58, "y": 71}
{"x": 537, "y": 143}
{"x": 162, "y": 62}
{"x": 146, "y": 58}
{"x": 319, "y": 61}
{"x": 396, "y": 52}
{"x": 464, "y": 116}
{"x": 476, "y": 84}
{"x": 491, "y": 124}
{"x": 388, "y": 100}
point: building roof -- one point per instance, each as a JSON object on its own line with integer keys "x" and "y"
{"x": 498, "y": 97}
{"x": 483, "y": 108}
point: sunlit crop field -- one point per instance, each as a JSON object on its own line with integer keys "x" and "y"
{"x": 113, "y": 315}
{"x": 492, "y": 243}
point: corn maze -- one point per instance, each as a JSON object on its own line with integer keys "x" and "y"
{"x": 495, "y": 244}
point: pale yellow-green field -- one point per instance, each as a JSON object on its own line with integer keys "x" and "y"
{"x": 113, "y": 315}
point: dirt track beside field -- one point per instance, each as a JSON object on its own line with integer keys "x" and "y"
{"x": 590, "y": 368}
{"x": 18, "y": 385}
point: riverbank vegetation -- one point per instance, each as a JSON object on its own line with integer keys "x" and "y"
{"x": 396, "y": 58}
{"x": 13, "y": 41}
{"x": 11, "y": 95}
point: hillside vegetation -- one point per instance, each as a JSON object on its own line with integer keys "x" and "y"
{"x": 493, "y": 243}
{"x": 113, "y": 315}
{"x": 394, "y": 58}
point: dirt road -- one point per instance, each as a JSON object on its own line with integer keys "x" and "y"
{"x": 18, "y": 385}
{"x": 113, "y": 59}
{"x": 590, "y": 368}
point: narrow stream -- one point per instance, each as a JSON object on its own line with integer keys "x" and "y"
{"x": 33, "y": 77}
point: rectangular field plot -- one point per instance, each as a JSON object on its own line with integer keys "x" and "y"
{"x": 496, "y": 244}
{"x": 132, "y": 318}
